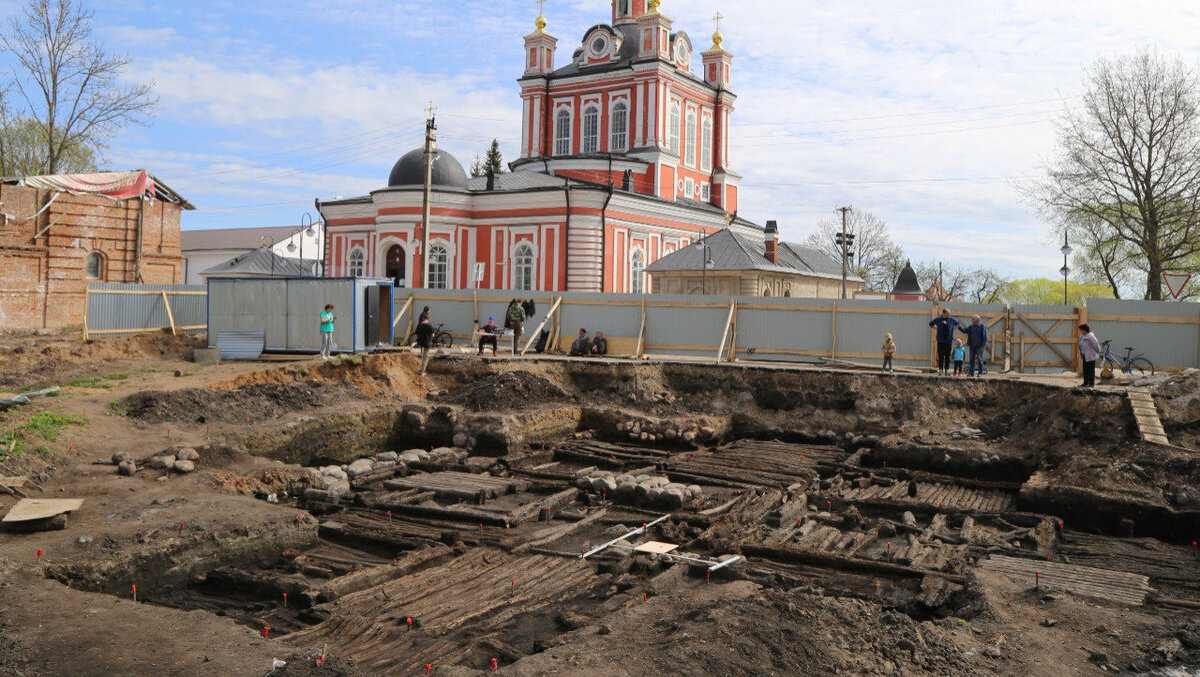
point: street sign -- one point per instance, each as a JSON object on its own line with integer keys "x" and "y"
{"x": 1176, "y": 282}
{"x": 478, "y": 272}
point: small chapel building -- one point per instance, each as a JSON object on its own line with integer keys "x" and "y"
{"x": 624, "y": 159}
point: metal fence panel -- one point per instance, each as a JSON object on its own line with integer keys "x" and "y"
{"x": 1165, "y": 332}
{"x": 118, "y": 309}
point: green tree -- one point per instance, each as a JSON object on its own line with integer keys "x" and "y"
{"x": 22, "y": 151}
{"x": 491, "y": 160}
{"x": 1047, "y": 291}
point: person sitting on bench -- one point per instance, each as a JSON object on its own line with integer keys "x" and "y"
{"x": 581, "y": 346}
{"x": 490, "y": 331}
{"x": 599, "y": 345}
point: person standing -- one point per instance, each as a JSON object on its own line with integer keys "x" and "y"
{"x": 424, "y": 341}
{"x": 424, "y": 315}
{"x": 977, "y": 338}
{"x": 1089, "y": 352}
{"x": 960, "y": 356}
{"x": 516, "y": 321}
{"x": 889, "y": 351}
{"x": 945, "y": 325}
{"x": 327, "y": 320}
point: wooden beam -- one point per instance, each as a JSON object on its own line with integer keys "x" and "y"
{"x": 1066, "y": 360}
{"x": 87, "y": 304}
{"x": 725, "y": 333}
{"x": 403, "y": 309}
{"x": 144, "y": 292}
{"x": 833, "y": 311}
{"x": 170, "y": 314}
{"x": 641, "y": 344}
{"x": 733, "y": 338}
{"x": 537, "y": 332}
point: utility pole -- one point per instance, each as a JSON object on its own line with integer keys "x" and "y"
{"x": 844, "y": 241}
{"x": 430, "y": 150}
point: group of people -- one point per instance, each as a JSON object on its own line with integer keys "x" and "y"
{"x": 584, "y": 346}
{"x": 950, "y": 349}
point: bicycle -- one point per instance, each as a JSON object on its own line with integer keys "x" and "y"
{"x": 1137, "y": 365}
{"x": 441, "y": 338}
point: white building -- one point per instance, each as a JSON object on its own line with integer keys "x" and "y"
{"x": 204, "y": 249}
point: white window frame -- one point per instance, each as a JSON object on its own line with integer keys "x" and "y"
{"x": 589, "y": 131}
{"x": 562, "y": 138}
{"x": 637, "y": 273}
{"x": 690, "y": 139}
{"x": 438, "y": 279}
{"x": 618, "y": 133}
{"x": 689, "y": 188}
{"x": 524, "y": 268}
{"x": 673, "y": 132}
{"x": 706, "y": 141}
{"x": 87, "y": 266}
{"x": 356, "y": 265}
{"x": 705, "y": 192}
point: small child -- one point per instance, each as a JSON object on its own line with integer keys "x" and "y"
{"x": 960, "y": 356}
{"x": 889, "y": 350}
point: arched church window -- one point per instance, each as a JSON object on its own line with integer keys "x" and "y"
{"x": 673, "y": 133}
{"x": 591, "y": 129}
{"x": 706, "y": 139}
{"x": 637, "y": 271}
{"x": 94, "y": 267}
{"x": 358, "y": 263}
{"x": 620, "y": 125}
{"x": 562, "y": 132}
{"x": 439, "y": 266}
{"x": 523, "y": 263}
{"x": 691, "y": 139}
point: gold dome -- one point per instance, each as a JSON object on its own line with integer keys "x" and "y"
{"x": 652, "y": 7}
{"x": 717, "y": 39}
{"x": 541, "y": 23}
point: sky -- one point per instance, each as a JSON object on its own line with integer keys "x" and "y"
{"x": 934, "y": 116}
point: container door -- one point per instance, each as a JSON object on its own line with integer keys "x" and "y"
{"x": 371, "y": 310}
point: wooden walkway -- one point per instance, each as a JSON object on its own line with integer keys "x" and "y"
{"x": 947, "y": 496}
{"x": 1113, "y": 586}
{"x": 1146, "y": 413}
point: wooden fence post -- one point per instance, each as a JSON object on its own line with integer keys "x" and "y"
{"x": 87, "y": 304}
{"x": 641, "y": 344}
{"x": 170, "y": 315}
{"x": 833, "y": 330}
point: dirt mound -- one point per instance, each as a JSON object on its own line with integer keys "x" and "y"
{"x": 374, "y": 375}
{"x": 508, "y": 390}
{"x": 252, "y": 403}
{"x": 41, "y": 359}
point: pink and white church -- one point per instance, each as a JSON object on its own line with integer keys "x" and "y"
{"x": 624, "y": 159}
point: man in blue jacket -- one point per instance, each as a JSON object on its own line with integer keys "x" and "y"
{"x": 977, "y": 338}
{"x": 945, "y": 339}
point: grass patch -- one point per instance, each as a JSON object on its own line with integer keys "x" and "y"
{"x": 97, "y": 381}
{"x": 116, "y": 409}
{"x": 42, "y": 450}
{"x": 49, "y": 426}
{"x": 11, "y": 446}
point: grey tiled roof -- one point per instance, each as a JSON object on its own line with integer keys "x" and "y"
{"x": 262, "y": 262}
{"x": 729, "y": 251}
{"x": 234, "y": 238}
{"x": 517, "y": 181}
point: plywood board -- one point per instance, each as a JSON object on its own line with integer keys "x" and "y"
{"x": 28, "y": 509}
{"x": 18, "y": 481}
{"x": 656, "y": 547}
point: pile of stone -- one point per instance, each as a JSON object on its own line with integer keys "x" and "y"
{"x": 178, "y": 459}
{"x": 644, "y": 490}
{"x": 333, "y": 482}
{"x": 438, "y": 455}
{"x": 666, "y": 431}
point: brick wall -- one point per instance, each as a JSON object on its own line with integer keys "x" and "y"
{"x": 43, "y": 280}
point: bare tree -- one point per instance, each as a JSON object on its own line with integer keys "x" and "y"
{"x": 874, "y": 257}
{"x": 971, "y": 285}
{"x": 70, "y": 86}
{"x": 1128, "y": 165}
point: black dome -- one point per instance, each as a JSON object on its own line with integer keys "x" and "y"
{"x": 409, "y": 170}
{"x": 907, "y": 283}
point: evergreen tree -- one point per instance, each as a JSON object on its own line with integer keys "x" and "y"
{"x": 491, "y": 160}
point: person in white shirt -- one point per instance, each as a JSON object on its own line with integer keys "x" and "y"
{"x": 1089, "y": 352}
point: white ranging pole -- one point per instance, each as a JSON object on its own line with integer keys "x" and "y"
{"x": 636, "y": 532}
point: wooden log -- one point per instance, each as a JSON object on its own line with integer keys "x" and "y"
{"x": 378, "y": 575}
{"x": 831, "y": 561}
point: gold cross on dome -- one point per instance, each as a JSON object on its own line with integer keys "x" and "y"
{"x": 430, "y": 110}
{"x": 541, "y": 7}
{"x": 717, "y": 20}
